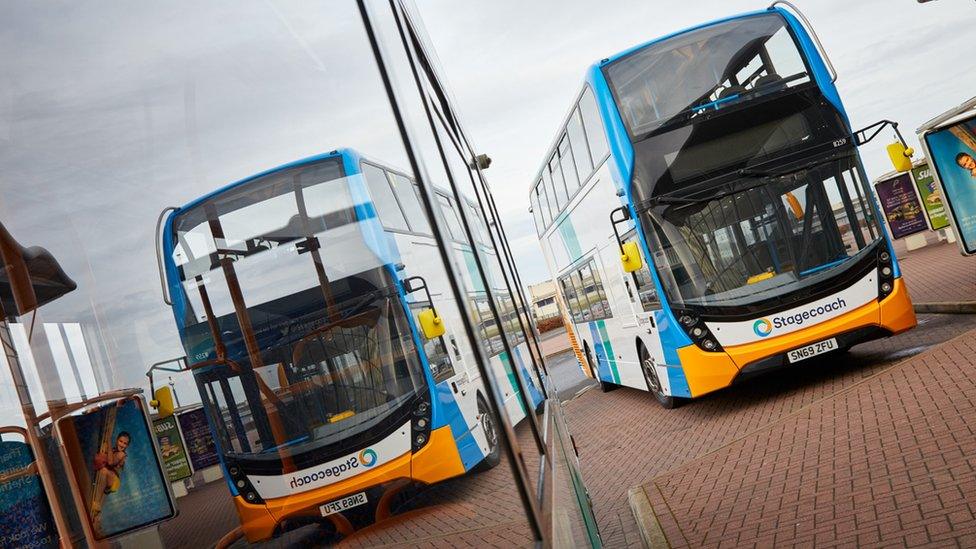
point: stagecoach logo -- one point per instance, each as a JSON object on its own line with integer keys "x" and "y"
{"x": 367, "y": 457}
{"x": 762, "y": 327}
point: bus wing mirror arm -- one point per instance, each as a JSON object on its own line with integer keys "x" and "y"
{"x": 159, "y": 253}
{"x": 630, "y": 256}
{"x": 899, "y": 152}
{"x": 431, "y": 324}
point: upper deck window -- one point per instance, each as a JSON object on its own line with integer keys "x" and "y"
{"x": 704, "y": 70}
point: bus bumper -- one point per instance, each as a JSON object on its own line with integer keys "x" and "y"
{"x": 437, "y": 460}
{"x": 707, "y": 372}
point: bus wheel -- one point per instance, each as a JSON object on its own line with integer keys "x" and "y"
{"x": 653, "y": 383}
{"x": 491, "y": 434}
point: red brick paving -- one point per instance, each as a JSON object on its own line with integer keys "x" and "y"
{"x": 939, "y": 273}
{"x": 626, "y": 439}
{"x": 888, "y": 461}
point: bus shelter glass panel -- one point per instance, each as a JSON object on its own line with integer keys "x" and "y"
{"x": 243, "y": 200}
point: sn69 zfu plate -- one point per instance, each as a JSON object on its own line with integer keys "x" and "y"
{"x": 340, "y": 505}
{"x": 812, "y": 350}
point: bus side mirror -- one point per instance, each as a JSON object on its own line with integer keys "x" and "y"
{"x": 631, "y": 257}
{"x": 163, "y": 402}
{"x": 430, "y": 324}
{"x": 901, "y": 156}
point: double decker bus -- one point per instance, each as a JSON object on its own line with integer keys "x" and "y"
{"x": 706, "y": 216}
{"x": 326, "y": 346}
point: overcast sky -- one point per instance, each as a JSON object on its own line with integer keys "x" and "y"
{"x": 109, "y": 113}
{"x": 515, "y": 66}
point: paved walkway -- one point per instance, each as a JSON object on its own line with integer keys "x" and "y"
{"x": 939, "y": 273}
{"x": 888, "y": 459}
{"x": 626, "y": 439}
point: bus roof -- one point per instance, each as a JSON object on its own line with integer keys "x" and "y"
{"x": 293, "y": 164}
{"x": 595, "y": 68}
{"x": 638, "y": 47}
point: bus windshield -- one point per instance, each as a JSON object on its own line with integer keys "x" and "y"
{"x": 762, "y": 235}
{"x": 293, "y": 321}
{"x": 700, "y": 72}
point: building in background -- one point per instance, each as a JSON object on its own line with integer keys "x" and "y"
{"x": 543, "y": 297}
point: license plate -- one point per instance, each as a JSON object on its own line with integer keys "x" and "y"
{"x": 340, "y": 505}
{"x": 814, "y": 349}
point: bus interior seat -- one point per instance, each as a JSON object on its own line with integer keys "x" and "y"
{"x": 769, "y": 80}
{"x": 731, "y": 91}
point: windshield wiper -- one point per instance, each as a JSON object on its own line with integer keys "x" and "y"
{"x": 753, "y": 172}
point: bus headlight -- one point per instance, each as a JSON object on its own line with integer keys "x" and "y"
{"x": 242, "y": 483}
{"x": 886, "y": 281}
{"x": 698, "y": 331}
{"x": 421, "y": 424}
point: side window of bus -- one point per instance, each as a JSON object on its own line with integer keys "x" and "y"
{"x": 453, "y": 221}
{"x": 544, "y": 208}
{"x": 385, "y": 202}
{"x": 441, "y": 367}
{"x": 406, "y": 193}
{"x": 480, "y": 231}
{"x": 568, "y": 166}
{"x": 558, "y": 184}
{"x": 585, "y": 296}
{"x": 581, "y": 151}
{"x": 536, "y": 211}
{"x": 510, "y": 319}
{"x": 646, "y": 289}
{"x": 491, "y": 338}
{"x": 593, "y": 289}
{"x": 572, "y": 300}
{"x": 595, "y": 134}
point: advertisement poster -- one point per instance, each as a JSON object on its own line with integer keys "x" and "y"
{"x": 953, "y": 152}
{"x": 199, "y": 442}
{"x": 931, "y": 197}
{"x": 115, "y": 463}
{"x": 901, "y": 206}
{"x": 26, "y": 518}
{"x": 171, "y": 448}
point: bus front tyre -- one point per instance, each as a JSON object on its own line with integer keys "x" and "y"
{"x": 487, "y": 422}
{"x": 654, "y": 384}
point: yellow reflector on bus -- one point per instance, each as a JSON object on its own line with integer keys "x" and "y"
{"x": 341, "y": 416}
{"x": 760, "y": 277}
{"x": 631, "y": 257}
{"x": 901, "y": 156}
{"x": 163, "y": 402}
{"x": 430, "y": 324}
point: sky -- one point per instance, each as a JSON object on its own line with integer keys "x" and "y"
{"x": 514, "y": 68}
{"x": 109, "y": 113}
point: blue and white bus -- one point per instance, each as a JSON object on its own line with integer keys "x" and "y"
{"x": 706, "y": 215}
{"x": 329, "y": 353}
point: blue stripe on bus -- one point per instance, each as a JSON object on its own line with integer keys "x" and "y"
{"x": 377, "y": 239}
{"x": 534, "y": 392}
{"x": 678, "y": 382}
{"x": 667, "y": 328}
{"x": 602, "y": 365}
{"x": 568, "y": 232}
{"x": 621, "y": 167}
{"x": 447, "y": 408}
{"x": 608, "y": 347}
